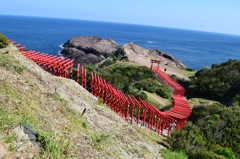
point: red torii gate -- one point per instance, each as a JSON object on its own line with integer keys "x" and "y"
{"x": 155, "y": 61}
{"x": 130, "y": 108}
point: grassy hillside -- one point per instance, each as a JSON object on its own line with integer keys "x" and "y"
{"x": 53, "y": 107}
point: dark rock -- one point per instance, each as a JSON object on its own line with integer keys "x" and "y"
{"x": 89, "y": 50}
{"x": 32, "y": 134}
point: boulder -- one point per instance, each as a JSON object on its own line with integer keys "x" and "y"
{"x": 88, "y": 49}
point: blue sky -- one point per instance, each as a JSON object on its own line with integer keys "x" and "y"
{"x": 207, "y": 15}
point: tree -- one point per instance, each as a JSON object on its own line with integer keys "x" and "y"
{"x": 221, "y": 82}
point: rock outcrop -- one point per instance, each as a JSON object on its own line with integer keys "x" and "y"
{"x": 166, "y": 58}
{"x": 141, "y": 56}
{"x": 89, "y": 49}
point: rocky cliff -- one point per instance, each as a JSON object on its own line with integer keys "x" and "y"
{"x": 141, "y": 56}
{"x": 91, "y": 50}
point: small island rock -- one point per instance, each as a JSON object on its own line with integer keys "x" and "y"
{"x": 88, "y": 49}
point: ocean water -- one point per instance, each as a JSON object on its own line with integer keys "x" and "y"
{"x": 194, "y": 48}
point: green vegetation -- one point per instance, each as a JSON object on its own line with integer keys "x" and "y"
{"x": 11, "y": 147}
{"x": 11, "y": 64}
{"x": 3, "y": 41}
{"x": 53, "y": 147}
{"x": 22, "y": 101}
{"x": 131, "y": 79}
{"x": 168, "y": 154}
{"x": 221, "y": 82}
{"x": 100, "y": 139}
{"x": 211, "y": 132}
{"x": 53, "y": 108}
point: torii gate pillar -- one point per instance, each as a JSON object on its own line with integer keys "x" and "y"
{"x": 155, "y": 61}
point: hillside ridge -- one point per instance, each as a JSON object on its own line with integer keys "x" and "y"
{"x": 45, "y": 101}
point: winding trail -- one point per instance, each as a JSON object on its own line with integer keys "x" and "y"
{"x": 181, "y": 109}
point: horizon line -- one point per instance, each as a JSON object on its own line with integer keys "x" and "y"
{"x": 149, "y": 25}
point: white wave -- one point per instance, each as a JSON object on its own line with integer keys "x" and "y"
{"x": 61, "y": 46}
{"x": 59, "y": 54}
{"x": 151, "y": 42}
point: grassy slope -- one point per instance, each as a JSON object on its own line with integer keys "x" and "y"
{"x": 158, "y": 101}
{"x": 53, "y": 106}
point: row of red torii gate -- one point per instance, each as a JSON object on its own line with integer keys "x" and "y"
{"x": 133, "y": 110}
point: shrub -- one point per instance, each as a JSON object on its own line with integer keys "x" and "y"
{"x": 140, "y": 94}
{"x": 3, "y": 41}
{"x": 163, "y": 92}
{"x": 147, "y": 84}
{"x": 236, "y": 99}
{"x": 223, "y": 151}
{"x": 167, "y": 154}
{"x": 212, "y": 132}
{"x": 221, "y": 82}
{"x": 204, "y": 154}
{"x": 122, "y": 75}
{"x": 137, "y": 93}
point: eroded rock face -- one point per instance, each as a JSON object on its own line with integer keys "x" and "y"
{"x": 89, "y": 49}
{"x": 167, "y": 58}
{"x": 141, "y": 56}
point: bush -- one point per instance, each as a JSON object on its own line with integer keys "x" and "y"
{"x": 137, "y": 93}
{"x": 3, "y": 41}
{"x": 167, "y": 154}
{"x": 236, "y": 99}
{"x": 212, "y": 132}
{"x": 163, "y": 92}
{"x": 221, "y": 82}
{"x": 204, "y": 154}
{"x": 140, "y": 94}
{"x": 147, "y": 84}
{"x": 223, "y": 151}
{"x": 122, "y": 75}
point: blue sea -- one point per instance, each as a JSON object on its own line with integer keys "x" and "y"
{"x": 194, "y": 48}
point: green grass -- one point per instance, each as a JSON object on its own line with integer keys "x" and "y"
{"x": 52, "y": 148}
{"x": 11, "y": 64}
{"x": 11, "y": 147}
{"x": 168, "y": 154}
{"x": 157, "y": 101}
{"x": 100, "y": 138}
{"x": 10, "y": 139}
{"x": 32, "y": 107}
{"x": 187, "y": 72}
